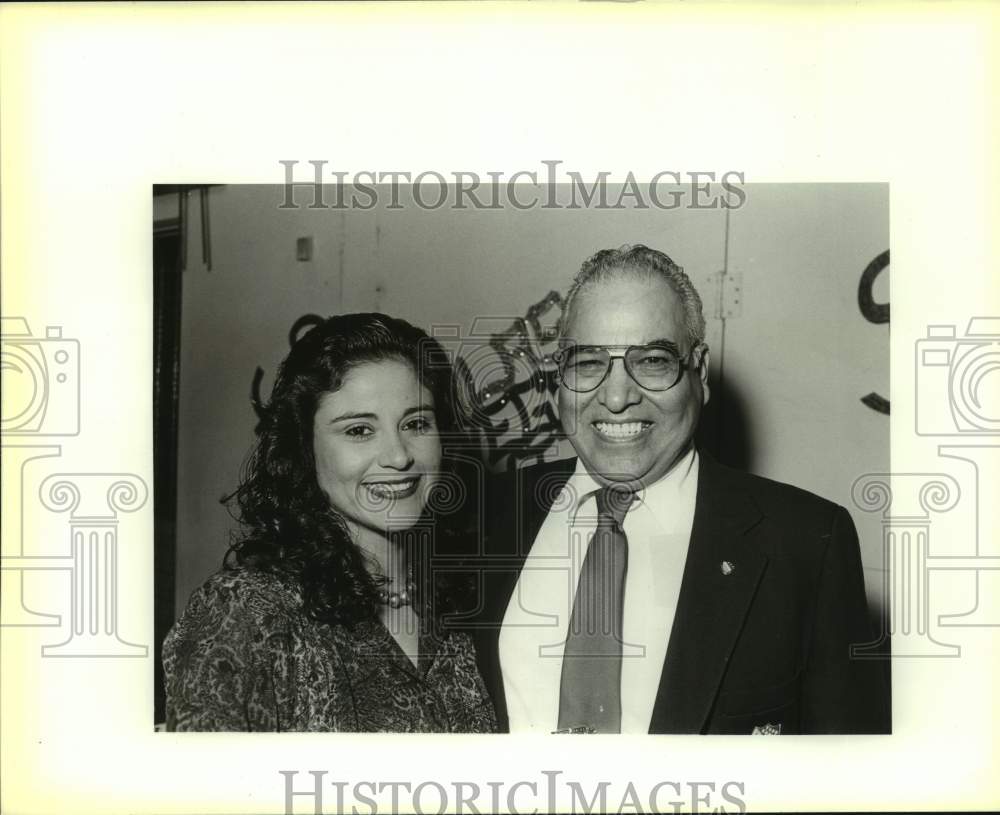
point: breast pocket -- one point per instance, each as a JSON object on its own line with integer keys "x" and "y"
{"x": 773, "y": 710}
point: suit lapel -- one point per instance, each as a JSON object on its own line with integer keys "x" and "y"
{"x": 721, "y": 574}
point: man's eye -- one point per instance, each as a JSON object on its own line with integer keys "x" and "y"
{"x": 584, "y": 365}
{"x": 359, "y": 431}
{"x": 653, "y": 360}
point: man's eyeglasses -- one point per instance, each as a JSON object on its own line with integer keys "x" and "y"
{"x": 655, "y": 367}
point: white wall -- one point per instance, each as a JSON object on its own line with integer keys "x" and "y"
{"x": 797, "y": 359}
{"x": 802, "y": 355}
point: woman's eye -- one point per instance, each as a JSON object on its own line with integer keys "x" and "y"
{"x": 420, "y": 425}
{"x": 359, "y": 431}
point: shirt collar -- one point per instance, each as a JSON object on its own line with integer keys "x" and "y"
{"x": 659, "y": 495}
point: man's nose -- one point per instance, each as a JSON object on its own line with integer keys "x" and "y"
{"x": 395, "y": 453}
{"x": 618, "y": 391}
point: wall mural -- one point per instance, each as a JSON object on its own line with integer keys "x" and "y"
{"x": 506, "y": 382}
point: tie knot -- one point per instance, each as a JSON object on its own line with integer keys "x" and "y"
{"x": 613, "y": 502}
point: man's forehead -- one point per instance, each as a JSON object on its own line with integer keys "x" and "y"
{"x": 626, "y": 310}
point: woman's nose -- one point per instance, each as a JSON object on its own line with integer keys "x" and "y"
{"x": 395, "y": 453}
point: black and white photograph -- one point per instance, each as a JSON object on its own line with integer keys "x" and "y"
{"x": 398, "y": 437}
{"x": 501, "y": 406}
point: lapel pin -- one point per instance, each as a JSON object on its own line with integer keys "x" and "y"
{"x": 727, "y": 567}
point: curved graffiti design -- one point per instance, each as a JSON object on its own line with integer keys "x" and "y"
{"x": 875, "y": 313}
{"x": 299, "y": 327}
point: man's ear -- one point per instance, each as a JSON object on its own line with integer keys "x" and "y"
{"x": 703, "y": 373}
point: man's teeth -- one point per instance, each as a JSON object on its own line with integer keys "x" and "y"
{"x": 620, "y": 430}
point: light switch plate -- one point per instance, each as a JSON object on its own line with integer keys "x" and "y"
{"x": 304, "y": 248}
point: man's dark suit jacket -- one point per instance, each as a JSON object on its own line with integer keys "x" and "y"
{"x": 766, "y": 644}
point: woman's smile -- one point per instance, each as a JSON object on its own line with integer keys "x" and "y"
{"x": 395, "y": 488}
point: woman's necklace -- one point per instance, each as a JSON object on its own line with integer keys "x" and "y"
{"x": 395, "y": 599}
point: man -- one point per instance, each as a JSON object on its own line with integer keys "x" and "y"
{"x": 643, "y": 587}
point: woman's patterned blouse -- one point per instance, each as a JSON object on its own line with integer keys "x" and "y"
{"x": 244, "y": 656}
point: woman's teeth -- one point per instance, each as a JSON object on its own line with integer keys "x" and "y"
{"x": 394, "y": 489}
{"x": 620, "y": 430}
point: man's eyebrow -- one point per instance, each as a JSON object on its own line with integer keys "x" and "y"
{"x": 666, "y": 342}
{"x": 661, "y": 341}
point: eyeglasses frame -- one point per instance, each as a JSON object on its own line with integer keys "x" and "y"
{"x": 684, "y": 363}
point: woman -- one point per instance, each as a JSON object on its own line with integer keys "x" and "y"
{"x": 325, "y": 615}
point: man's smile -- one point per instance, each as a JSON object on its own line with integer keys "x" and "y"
{"x": 618, "y": 431}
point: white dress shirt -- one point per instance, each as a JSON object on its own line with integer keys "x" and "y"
{"x": 533, "y": 636}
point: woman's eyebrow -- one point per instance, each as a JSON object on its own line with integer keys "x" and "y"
{"x": 418, "y": 409}
{"x": 424, "y": 408}
{"x": 344, "y": 416}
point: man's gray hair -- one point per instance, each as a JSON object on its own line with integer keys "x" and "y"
{"x": 608, "y": 264}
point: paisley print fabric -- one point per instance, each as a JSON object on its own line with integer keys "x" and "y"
{"x": 244, "y": 657}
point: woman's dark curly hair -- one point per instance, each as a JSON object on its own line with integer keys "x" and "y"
{"x": 289, "y": 526}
